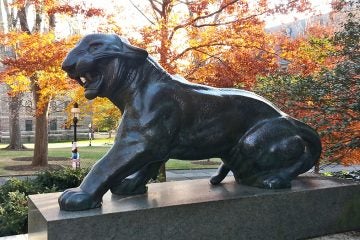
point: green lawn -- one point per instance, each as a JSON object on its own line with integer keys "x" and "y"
{"x": 13, "y": 162}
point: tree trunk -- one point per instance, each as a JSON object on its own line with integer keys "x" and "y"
{"x": 162, "y": 174}
{"x": 40, "y": 157}
{"x": 14, "y": 123}
{"x": 15, "y": 101}
{"x": 317, "y": 167}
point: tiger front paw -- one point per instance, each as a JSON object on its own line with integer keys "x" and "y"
{"x": 75, "y": 199}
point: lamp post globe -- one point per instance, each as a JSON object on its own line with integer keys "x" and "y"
{"x": 75, "y": 111}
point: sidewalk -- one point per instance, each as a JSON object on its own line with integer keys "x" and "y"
{"x": 180, "y": 175}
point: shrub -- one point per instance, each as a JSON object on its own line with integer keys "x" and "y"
{"x": 13, "y": 196}
{"x": 14, "y": 184}
{"x": 13, "y": 214}
{"x": 52, "y": 181}
{"x": 353, "y": 175}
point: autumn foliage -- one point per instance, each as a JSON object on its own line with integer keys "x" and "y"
{"x": 321, "y": 87}
{"x": 219, "y": 43}
{"x": 310, "y": 52}
{"x": 37, "y": 55}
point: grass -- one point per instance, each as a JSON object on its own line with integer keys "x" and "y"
{"x": 88, "y": 155}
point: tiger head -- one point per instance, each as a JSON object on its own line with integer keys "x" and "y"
{"x": 98, "y": 61}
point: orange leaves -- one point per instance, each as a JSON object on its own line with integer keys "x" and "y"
{"x": 221, "y": 43}
{"x": 55, "y": 6}
{"x": 347, "y": 155}
{"x": 231, "y": 57}
{"x": 36, "y": 52}
{"x": 352, "y": 155}
{"x": 309, "y": 53}
{"x": 37, "y": 60}
{"x": 198, "y": 6}
{"x": 73, "y": 10}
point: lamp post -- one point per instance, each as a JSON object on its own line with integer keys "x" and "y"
{"x": 75, "y": 157}
{"x": 90, "y": 134}
{"x": 75, "y": 111}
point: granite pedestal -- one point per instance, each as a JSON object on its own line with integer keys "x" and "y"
{"x": 194, "y": 209}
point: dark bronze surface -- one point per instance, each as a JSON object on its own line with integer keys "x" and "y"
{"x": 165, "y": 116}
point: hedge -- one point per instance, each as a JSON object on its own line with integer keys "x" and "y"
{"x": 13, "y": 196}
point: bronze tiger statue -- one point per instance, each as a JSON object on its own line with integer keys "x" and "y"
{"x": 165, "y": 116}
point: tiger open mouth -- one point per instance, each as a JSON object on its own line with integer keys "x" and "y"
{"x": 92, "y": 84}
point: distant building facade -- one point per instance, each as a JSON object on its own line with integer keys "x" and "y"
{"x": 57, "y": 128}
{"x": 297, "y": 28}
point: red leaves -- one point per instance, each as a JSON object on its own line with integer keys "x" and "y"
{"x": 34, "y": 52}
{"x": 198, "y": 7}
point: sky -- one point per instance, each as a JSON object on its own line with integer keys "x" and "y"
{"x": 132, "y": 15}
{"x": 320, "y": 7}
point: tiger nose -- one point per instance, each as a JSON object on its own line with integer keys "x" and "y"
{"x": 67, "y": 65}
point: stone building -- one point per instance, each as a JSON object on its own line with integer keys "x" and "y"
{"x": 58, "y": 130}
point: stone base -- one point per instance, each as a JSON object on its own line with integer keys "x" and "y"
{"x": 194, "y": 209}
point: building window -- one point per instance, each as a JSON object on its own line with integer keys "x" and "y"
{"x": 28, "y": 107}
{"x": 53, "y": 124}
{"x": 28, "y": 125}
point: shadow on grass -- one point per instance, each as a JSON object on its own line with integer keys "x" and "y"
{"x": 23, "y": 168}
{"x": 29, "y": 159}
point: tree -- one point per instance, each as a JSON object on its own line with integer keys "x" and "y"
{"x": 106, "y": 116}
{"x": 37, "y": 69}
{"x": 37, "y": 61}
{"x": 310, "y": 52}
{"x": 222, "y": 43}
{"x": 14, "y": 99}
{"x": 326, "y": 96}
{"x": 344, "y": 81}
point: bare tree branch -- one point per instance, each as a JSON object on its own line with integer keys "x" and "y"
{"x": 196, "y": 48}
{"x": 220, "y": 60}
{"x": 136, "y": 7}
{"x": 214, "y": 24}
{"x": 154, "y": 7}
{"x": 192, "y": 21}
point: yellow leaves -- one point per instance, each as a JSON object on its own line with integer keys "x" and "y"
{"x": 105, "y": 114}
{"x": 18, "y": 83}
{"x": 37, "y": 60}
{"x": 310, "y": 53}
{"x": 310, "y": 103}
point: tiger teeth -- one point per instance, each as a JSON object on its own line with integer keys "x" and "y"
{"x": 83, "y": 79}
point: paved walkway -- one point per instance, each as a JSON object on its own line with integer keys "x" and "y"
{"x": 179, "y": 175}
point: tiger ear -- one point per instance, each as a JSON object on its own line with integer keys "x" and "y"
{"x": 137, "y": 56}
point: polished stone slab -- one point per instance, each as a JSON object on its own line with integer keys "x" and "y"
{"x": 194, "y": 209}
